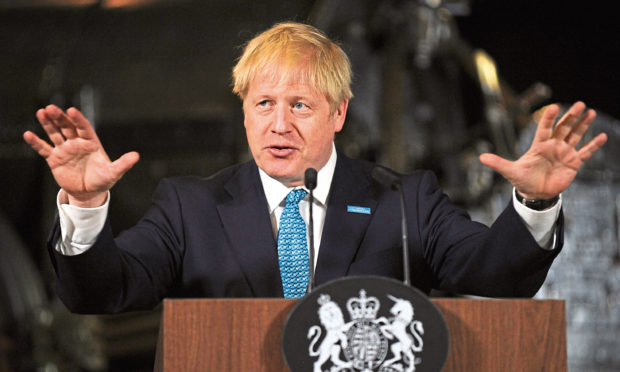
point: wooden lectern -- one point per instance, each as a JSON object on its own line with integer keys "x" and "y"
{"x": 245, "y": 335}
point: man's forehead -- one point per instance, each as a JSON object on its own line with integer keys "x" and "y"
{"x": 290, "y": 84}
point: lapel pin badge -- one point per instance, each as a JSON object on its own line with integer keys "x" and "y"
{"x": 358, "y": 209}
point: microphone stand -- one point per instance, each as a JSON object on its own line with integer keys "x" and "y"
{"x": 310, "y": 183}
{"x": 403, "y": 224}
{"x": 393, "y": 181}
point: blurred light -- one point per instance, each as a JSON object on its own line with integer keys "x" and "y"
{"x": 109, "y": 4}
{"x": 487, "y": 72}
{"x": 131, "y": 3}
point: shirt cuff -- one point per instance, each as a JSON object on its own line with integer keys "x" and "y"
{"x": 541, "y": 224}
{"x": 79, "y": 227}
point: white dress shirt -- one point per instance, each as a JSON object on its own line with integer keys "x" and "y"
{"x": 276, "y": 194}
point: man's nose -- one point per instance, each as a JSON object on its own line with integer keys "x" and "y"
{"x": 283, "y": 120}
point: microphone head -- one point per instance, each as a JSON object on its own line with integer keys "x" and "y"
{"x": 386, "y": 176}
{"x": 310, "y": 178}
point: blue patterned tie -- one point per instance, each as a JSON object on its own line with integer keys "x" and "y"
{"x": 293, "y": 248}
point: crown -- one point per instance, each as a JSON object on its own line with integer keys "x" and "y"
{"x": 363, "y": 307}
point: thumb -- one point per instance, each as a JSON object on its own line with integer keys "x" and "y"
{"x": 124, "y": 163}
{"x": 496, "y": 163}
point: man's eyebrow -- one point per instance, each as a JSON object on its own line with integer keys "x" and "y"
{"x": 307, "y": 97}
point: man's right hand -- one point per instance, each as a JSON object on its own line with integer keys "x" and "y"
{"x": 77, "y": 159}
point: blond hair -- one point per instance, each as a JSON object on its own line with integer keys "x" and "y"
{"x": 296, "y": 52}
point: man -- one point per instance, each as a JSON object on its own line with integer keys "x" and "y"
{"x": 223, "y": 236}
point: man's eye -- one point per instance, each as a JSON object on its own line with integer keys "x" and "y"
{"x": 300, "y": 106}
{"x": 263, "y": 103}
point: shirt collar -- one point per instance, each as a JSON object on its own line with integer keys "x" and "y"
{"x": 276, "y": 192}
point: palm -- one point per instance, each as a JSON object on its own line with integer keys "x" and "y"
{"x": 80, "y": 167}
{"x": 551, "y": 163}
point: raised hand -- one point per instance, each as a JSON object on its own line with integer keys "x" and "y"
{"x": 77, "y": 159}
{"x": 551, "y": 163}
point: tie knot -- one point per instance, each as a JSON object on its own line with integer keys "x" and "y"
{"x": 295, "y": 196}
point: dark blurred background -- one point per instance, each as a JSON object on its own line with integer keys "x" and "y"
{"x": 436, "y": 83}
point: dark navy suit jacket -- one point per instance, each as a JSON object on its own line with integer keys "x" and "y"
{"x": 212, "y": 237}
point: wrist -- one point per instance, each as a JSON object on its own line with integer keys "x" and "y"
{"x": 88, "y": 201}
{"x": 536, "y": 204}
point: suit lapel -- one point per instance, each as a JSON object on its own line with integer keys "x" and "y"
{"x": 247, "y": 223}
{"x": 344, "y": 230}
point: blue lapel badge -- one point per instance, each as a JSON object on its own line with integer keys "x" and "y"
{"x": 356, "y": 209}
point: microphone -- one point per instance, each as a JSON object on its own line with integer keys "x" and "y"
{"x": 310, "y": 183}
{"x": 392, "y": 180}
{"x": 387, "y": 177}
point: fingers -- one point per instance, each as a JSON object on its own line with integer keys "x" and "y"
{"x": 570, "y": 128}
{"x": 61, "y": 121}
{"x": 81, "y": 124}
{"x": 48, "y": 124}
{"x": 497, "y": 163}
{"x": 586, "y": 151}
{"x": 580, "y": 128}
{"x": 43, "y": 148}
{"x": 568, "y": 120}
{"x": 124, "y": 163}
{"x": 61, "y": 126}
{"x": 545, "y": 125}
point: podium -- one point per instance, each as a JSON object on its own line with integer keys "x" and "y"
{"x": 245, "y": 335}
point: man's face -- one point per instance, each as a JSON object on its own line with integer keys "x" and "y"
{"x": 289, "y": 128}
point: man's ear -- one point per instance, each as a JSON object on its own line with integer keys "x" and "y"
{"x": 243, "y": 110}
{"x": 340, "y": 115}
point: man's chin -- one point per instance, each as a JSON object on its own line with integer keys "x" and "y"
{"x": 287, "y": 177}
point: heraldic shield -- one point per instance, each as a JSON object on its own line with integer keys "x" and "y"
{"x": 363, "y": 324}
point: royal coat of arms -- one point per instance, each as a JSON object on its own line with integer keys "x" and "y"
{"x": 365, "y": 342}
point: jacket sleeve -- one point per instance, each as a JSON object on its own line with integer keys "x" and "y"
{"x": 131, "y": 272}
{"x": 467, "y": 257}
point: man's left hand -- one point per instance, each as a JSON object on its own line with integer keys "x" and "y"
{"x": 552, "y": 161}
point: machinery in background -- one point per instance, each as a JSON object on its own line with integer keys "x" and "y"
{"x": 425, "y": 98}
